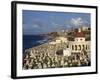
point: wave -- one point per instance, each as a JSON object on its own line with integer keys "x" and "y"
{"x": 42, "y": 41}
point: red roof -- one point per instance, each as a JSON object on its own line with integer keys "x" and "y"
{"x": 79, "y": 34}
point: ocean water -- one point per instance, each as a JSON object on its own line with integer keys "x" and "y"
{"x": 30, "y": 41}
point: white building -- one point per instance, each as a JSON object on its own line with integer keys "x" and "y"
{"x": 79, "y": 43}
{"x": 85, "y": 28}
{"x": 59, "y": 40}
{"x": 62, "y": 39}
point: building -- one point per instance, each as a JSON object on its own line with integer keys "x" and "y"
{"x": 79, "y": 43}
{"x": 59, "y": 40}
{"x": 85, "y": 28}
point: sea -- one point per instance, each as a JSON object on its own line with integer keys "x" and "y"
{"x": 30, "y": 41}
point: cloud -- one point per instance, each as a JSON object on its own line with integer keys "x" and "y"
{"x": 77, "y": 21}
{"x": 35, "y": 26}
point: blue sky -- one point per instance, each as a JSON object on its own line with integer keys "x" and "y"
{"x": 39, "y": 22}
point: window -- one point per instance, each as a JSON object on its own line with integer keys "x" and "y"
{"x": 81, "y": 39}
{"x": 83, "y": 46}
{"x": 72, "y": 47}
{"x": 75, "y": 47}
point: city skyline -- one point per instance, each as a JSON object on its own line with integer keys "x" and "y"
{"x": 39, "y": 22}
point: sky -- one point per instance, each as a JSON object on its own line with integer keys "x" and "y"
{"x": 40, "y": 22}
